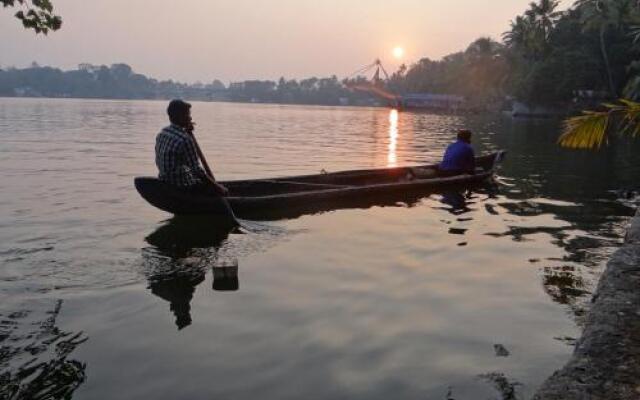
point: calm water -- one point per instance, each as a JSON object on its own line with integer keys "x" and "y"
{"x": 105, "y": 297}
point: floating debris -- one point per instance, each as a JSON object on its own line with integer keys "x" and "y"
{"x": 567, "y": 340}
{"x": 501, "y": 351}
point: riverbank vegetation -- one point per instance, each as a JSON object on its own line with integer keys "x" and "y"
{"x": 547, "y": 58}
{"x": 592, "y": 129}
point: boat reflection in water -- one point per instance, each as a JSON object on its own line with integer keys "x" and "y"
{"x": 183, "y": 249}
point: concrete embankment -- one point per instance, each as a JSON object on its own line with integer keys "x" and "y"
{"x": 606, "y": 361}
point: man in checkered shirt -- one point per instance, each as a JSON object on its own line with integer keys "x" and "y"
{"x": 177, "y": 157}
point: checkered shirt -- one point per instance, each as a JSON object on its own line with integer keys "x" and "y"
{"x": 177, "y": 158}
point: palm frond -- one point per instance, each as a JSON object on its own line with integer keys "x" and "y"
{"x": 587, "y": 131}
{"x": 630, "y": 104}
{"x": 593, "y": 128}
{"x": 631, "y": 118}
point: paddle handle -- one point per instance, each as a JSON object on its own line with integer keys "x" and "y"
{"x": 205, "y": 164}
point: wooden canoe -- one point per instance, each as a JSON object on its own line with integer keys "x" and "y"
{"x": 288, "y": 197}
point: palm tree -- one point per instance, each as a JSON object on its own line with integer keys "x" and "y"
{"x": 530, "y": 33}
{"x": 518, "y": 36}
{"x": 593, "y": 129}
{"x": 602, "y": 16}
{"x": 545, "y": 15}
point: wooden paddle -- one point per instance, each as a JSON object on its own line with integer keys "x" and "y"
{"x": 205, "y": 164}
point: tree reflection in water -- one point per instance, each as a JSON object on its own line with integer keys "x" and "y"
{"x": 563, "y": 284}
{"x": 34, "y": 361}
{"x": 569, "y": 280}
{"x": 182, "y": 251}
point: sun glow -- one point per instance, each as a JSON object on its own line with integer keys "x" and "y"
{"x": 398, "y": 52}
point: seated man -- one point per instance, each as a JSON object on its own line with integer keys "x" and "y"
{"x": 177, "y": 155}
{"x": 459, "y": 157}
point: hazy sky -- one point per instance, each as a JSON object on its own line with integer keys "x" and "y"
{"x": 190, "y": 40}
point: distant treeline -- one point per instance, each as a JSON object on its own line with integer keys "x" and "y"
{"x": 547, "y": 57}
{"x": 91, "y": 81}
{"x": 119, "y": 81}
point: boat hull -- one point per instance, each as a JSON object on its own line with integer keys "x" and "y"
{"x": 265, "y": 199}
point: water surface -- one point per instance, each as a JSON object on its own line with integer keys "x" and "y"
{"x": 105, "y": 297}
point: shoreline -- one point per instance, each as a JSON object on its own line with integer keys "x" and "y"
{"x": 501, "y": 113}
{"x": 606, "y": 360}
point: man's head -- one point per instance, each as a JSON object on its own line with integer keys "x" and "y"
{"x": 464, "y": 135}
{"x": 179, "y": 113}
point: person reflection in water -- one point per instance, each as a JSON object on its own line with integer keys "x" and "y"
{"x": 182, "y": 251}
{"x": 459, "y": 157}
{"x": 457, "y": 201}
{"x": 178, "y": 291}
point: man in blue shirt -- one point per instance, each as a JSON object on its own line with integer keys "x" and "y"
{"x": 459, "y": 157}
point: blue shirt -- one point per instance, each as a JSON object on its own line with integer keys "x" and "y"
{"x": 459, "y": 157}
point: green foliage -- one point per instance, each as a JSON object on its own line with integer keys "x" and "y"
{"x": 534, "y": 28}
{"x": 587, "y": 131}
{"x": 604, "y": 17}
{"x": 592, "y": 129}
{"x": 616, "y": 23}
{"x": 35, "y": 14}
{"x": 548, "y": 58}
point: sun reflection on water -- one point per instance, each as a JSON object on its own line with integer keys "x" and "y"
{"x": 392, "y": 158}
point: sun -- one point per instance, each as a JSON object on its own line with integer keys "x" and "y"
{"x": 398, "y": 52}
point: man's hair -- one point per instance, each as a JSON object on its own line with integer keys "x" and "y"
{"x": 464, "y": 134}
{"x": 176, "y": 109}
